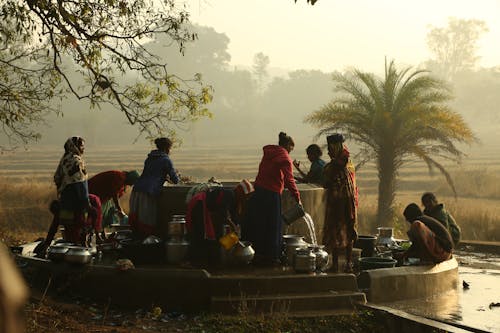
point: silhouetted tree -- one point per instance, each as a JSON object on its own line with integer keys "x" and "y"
{"x": 396, "y": 119}
{"x": 105, "y": 40}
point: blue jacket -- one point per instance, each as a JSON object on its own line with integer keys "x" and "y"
{"x": 156, "y": 168}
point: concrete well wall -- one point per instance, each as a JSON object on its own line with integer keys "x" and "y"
{"x": 172, "y": 201}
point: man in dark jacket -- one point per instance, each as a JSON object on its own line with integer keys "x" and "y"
{"x": 430, "y": 239}
{"x": 436, "y": 210}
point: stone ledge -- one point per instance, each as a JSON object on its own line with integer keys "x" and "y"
{"x": 392, "y": 284}
{"x": 400, "y": 321}
{"x": 481, "y": 246}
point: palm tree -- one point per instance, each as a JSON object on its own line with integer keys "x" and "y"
{"x": 395, "y": 120}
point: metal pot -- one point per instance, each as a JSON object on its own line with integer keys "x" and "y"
{"x": 176, "y": 251}
{"x": 367, "y": 244}
{"x": 57, "y": 252}
{"x": 176, "y": 227}
{"x": 78, "y": 255}
{"x": 290, "y": 243}
{"x": 367, "y": 263}
{"x": 305, "y": 260}
{"x": 242, "y": 253}
{"x": 322, "y": 257}
{"x": 385, "y": 236}
{"x": 293, "y": 214}
{"x": 123, "y": 234}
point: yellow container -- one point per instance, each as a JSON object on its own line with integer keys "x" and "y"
{"x": 229, "y": 240}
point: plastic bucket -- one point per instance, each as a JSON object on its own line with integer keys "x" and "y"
{"x": 229, "y": 240}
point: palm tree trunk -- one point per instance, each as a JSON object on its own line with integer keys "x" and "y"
{"x": 386, "y": 190}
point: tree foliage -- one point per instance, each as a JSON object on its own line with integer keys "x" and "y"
{"x": 312, "y": 2}
{"x": 260, "y": 64}
{"x": 26, "y": 86}
{"x": 454, "y": 47}
{"x": 105, "y": 40}
{"x": 397, "y": 119}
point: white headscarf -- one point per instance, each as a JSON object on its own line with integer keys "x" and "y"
{"x": 71, "y": 168}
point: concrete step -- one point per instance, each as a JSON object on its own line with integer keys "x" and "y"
{"x": 281, "y": 284}
{"x": 288, "y": 303}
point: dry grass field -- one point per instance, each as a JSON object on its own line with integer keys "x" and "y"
{"x": 26, "y": 188}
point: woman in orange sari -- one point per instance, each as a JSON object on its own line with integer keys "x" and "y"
{"x": 340, "y": 226}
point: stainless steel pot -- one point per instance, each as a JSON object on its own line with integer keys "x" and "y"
{"x": 176, "y": 251}
{"x": 242, "y": 253}
{"x": 176, "y": 227}
{"x": 57, "y": 252}
{"x": 305, "y": 260}
{"x": 78, "y": 255}
{"x": 322, "y": 257}
{"x": 290, "y": 243}
{"x": 123, "y": 234}
{"x": 385, "y": 236}
{"x": 293, "y": 214}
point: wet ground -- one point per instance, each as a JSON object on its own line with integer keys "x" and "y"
{"x": 476, "y": 300}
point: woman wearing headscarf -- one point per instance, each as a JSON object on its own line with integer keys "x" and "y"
{"x": 158, "y": 168}
{"x": 339, "y": 229}
{"x": 79, "y": 212}
{"x": 263, "y": 225}
{"x": 110, "y": 186}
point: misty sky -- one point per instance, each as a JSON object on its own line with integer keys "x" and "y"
{"x": 335, "y": 34}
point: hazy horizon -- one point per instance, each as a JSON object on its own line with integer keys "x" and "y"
{"x": 335, "y": 35}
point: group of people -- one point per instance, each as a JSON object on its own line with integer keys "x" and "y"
{"x": 85, "y": 206}
{"x": 263, "y": 223}
{"x": 433, "y": 232}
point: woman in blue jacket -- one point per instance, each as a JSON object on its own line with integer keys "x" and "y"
{"x": 158, "y": 168}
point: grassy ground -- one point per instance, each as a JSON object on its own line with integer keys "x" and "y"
{"x": 54, "y": 317}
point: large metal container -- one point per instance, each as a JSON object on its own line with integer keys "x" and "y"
{"x": 290, "y": 243}
{"x": 177, "y": 227}
{"x": 176, "y": 251}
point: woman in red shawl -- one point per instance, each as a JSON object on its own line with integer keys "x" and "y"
{"x": 110, "y": 186}
{"x": 263, "y": 223}
{"x": 339, "y": 229}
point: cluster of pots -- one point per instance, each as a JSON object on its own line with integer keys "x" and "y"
{"x": 304, "y": 257}
{"x": 69, "y": 253}
{"x": 377, "y": 250}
